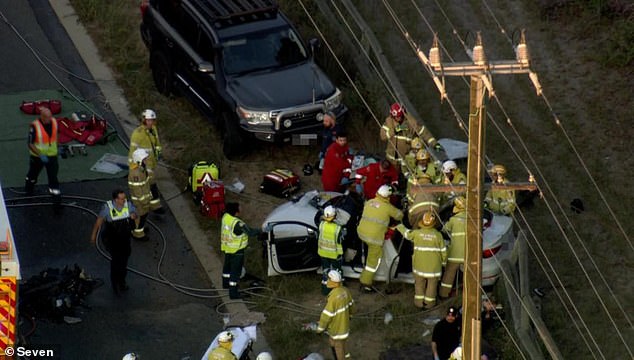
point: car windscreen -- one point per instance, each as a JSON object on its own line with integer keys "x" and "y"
{"x": 266, "y": 49}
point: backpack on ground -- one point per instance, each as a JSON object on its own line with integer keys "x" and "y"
{"x": 212, "y": 202}
{"x": 280, "y": 182}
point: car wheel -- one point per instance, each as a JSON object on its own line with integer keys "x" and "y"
{"x": 234, "y": 143}
{"x": 162, "y": 73}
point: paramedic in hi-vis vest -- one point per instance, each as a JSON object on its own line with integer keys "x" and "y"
{"x": 145, "y": 136}
{"x": 374, "y": 222}
{"x": 329, "y": 245}
{"x": 43, "y": 151}
{"x": 234, "y": 239}
{"x": 139, "y": 185}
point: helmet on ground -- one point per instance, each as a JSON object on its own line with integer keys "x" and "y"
{"x": 498, "y": 169}
{"x": 148, "y": 114}
{"x": 397, "y": 111}
{"x": 422, "y": 154}
{"x": 308, "y": 170}
{"x": 139, "y": 154}
{"x": 459, "y": 204}
{"x": 330, "y": 212}
{"x": 456, "y": 354}
{"x": 313, "y": 356}
{"x": 334, "y": 276}
{"x": 384, "y": 191}
{"x": 225, "y": 336}
{"x": 264, "y": 356}
{"x": 428, "y": 220}
{"x": 417, "y": 143}
{"x": 448, "y": 166}
{"x": 131, "y": 356}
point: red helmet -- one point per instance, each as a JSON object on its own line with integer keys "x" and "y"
{"x": 397, "y": 111}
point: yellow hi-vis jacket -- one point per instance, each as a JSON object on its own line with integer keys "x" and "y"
{"x": 230, "y": 243}
{"x": 400, "y": 136}
{"x": 336, "y": 314}
{"x": 221, "y": 353}
{"x": 501, "y": 201}
{"x": 329, "y": 243}
{"x": 456, "y": 227}
{"x": 375, "y": 220}
{"x": 148, "y": 139}
{"x": 139, "y": 185}
{"x": 430, "y": 252}
{"x": 47, "y": 145}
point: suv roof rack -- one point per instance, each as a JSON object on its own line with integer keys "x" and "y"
{"x": 232, "y": 12}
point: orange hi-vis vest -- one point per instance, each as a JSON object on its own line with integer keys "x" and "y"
{"x": 47, "y": 145}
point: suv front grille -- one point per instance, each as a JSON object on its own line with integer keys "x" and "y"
{"x": 300, "y": 120}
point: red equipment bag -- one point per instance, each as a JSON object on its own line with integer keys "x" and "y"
{"x": 33, "y": 107}
{"x": 88, "y": 132}
{"x": 212, "y": 203}
{"x": 280, "y": 182}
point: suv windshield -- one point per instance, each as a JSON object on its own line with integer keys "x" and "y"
{"x": 262, "y": 50}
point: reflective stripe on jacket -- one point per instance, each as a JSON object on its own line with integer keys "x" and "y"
{"x": 456, "y": 227}
{"x": 139, "y": 185}
{"x": 46, "y": 144}
{"x": 375, "y": 220}
{"x": 329, "y": 244}
{"x": 230, "y": 243}
{"x": 148, "y": 139}
{"x": 336, "y": 314}
{"x": 501, "y": 201}
{"x": 430, "y": 252}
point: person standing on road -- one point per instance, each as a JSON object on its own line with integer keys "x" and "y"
{"x": 140, "y": 193}
{"x": 335, "y": 318}
{"x": 117, "y": 215}
{"x": 145, "y": 136}
{"x": 374, "y": 222}
{"x": 446, "y": 335}
{"x": 337, "y": 164}
{"x": 43, "y": 150}
{"x": 329, "y": 245}
{"x": 234, "y": 239}
{"x": 223, "y": 351}
{"x": 456, "y": 227}
{"x": 430, "y": 255}
{"x": 328, "y": 135}
{"x": 500, "y": 201}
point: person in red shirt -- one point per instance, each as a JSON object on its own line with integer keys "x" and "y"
{"x": 336, "y": 164}
{"x": 377, "y": 174}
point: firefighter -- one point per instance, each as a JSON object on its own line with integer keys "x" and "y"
{"x": 117, "y": 215}
{"x": 399, "y": 129}
{"x": 223, "y": 351}
{"x": 410, "y": 158}
{"x": 428, "y": 259}
{"x": 234, "y": 239}
{"x": 43, "y": 154}
{"x": 424, "y": 164}
{"x": 500, "y": 201}
{"x": 337, "y": 162}
{"x": 330, "y": 247}
{"x": 145, "y": 136}
{"x": 452, "y": 176}
{"x": 375, "y": 175}
{"x": 374, "y": 222}
{"x": 456, "y": 227}
{"x": 139, "y": 186}
{"x": 336, "y": 315}
{"x": 420, "y": 201}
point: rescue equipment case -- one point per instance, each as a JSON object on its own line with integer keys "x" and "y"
{"x": 200, "y": 172}
{"x": 280, "y": 182}
{"x": 212, "y": 202}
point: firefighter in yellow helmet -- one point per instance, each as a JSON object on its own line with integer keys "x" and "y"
{"x": 336, "y": 315}
{"x": 145, "y": 136}
{"x": 420, "y": 201}
{"x": 410, "y": 158}
{"x": 223, "y": 351}
{"x": 452, "y": 176}
{"x": 374, "y": 222}
{"x": 428, "y": 259}
{"x": 329, "y": 245}
{"x": 140, "y": 194}
{"x": 500, "y": 201}
{"x": 456, "y": 227}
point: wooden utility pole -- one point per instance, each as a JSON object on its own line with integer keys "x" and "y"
{"x": 479, "y": 71}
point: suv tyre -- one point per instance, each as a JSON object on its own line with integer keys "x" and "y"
{"x": 162, "y": 72}
{"x": 234, "y": 143}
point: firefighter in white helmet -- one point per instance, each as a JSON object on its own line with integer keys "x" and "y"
{"x": 500, "y": 201}
{"x": 430, "y": 255}
{"x": 452, "y": 176}
{"x": 140, "y": 194}
{"x": 456, "y": 227}
{"x": 145, "y": 136}
{"x": 223, "y": 351}
{"x": 329, "y": 245}
{"x": 336, "y": 315}
{"x": 131, "y": 356}
{"x": 264, "y": 356}
{"x": 374, "y": 223}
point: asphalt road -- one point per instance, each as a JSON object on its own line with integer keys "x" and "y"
{"x": 152, "y": 319}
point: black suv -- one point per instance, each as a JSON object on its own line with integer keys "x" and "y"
{"x": 243, "y": 64}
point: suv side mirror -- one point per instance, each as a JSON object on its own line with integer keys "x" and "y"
{"x": 315, "y": 44}
{"x": 206, "y": 67}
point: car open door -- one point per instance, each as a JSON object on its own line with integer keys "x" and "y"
{"x": 291, "y": 247}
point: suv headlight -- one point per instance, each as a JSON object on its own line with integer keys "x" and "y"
{"x": 254, "y": 117}
{"x": 334, "y": 101}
